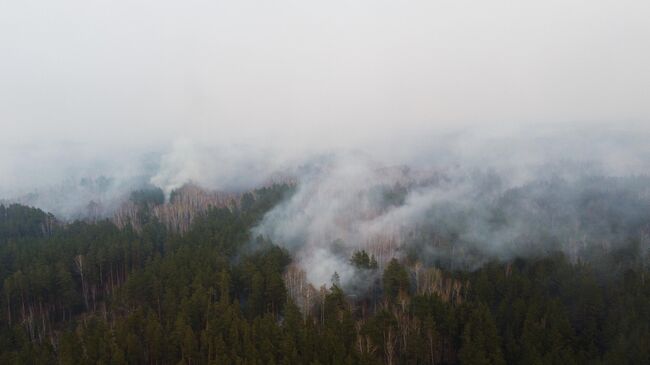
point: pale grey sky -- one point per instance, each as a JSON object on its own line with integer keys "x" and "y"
{"x": 118, "y": 76}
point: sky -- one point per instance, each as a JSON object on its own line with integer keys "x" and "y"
{"x": 87, "y": 85}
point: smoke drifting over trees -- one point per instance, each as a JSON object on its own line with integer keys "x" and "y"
{"x": 464, "y": 214}
{"x": 421, "y": 182}
{"x": 461, "y": 200}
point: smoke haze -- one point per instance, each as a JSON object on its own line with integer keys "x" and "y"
{"x": 395, "y": 118}
{"x": 568, "y": 192}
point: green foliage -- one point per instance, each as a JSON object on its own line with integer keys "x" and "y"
{"x": 395, "y": 279}
{"x": 361, "y": 260}
{"x": 18, "y": 221}
{"x": 151, "y": 196}
{"x": 481, "y": 343}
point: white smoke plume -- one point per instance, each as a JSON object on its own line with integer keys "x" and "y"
{"x": 220, "y": 167}
{"x": 575, "y": 194}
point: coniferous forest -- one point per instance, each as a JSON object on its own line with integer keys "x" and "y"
{"x": 90, "y": 292}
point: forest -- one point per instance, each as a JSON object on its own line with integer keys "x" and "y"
{"x": 144, "y": 291}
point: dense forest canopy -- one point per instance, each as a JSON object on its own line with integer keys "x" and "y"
{"x": 146, "y": 291}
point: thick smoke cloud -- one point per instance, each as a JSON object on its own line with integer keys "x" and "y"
{"x": 509, "y": 196}
{"x": 223, "y": 167}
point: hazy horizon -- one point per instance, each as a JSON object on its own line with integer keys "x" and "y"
{"x": 227, "y": 94}
{"x": 92, "y": 83}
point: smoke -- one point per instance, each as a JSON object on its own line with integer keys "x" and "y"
{"x": 453, "y": 198}
{"x": 75, "y": 181}
{"x": 70, "y": 179}
{"x": 233, "y": 168}
{"x": 463, "y": 130}
{"x": 511, "y": 195}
